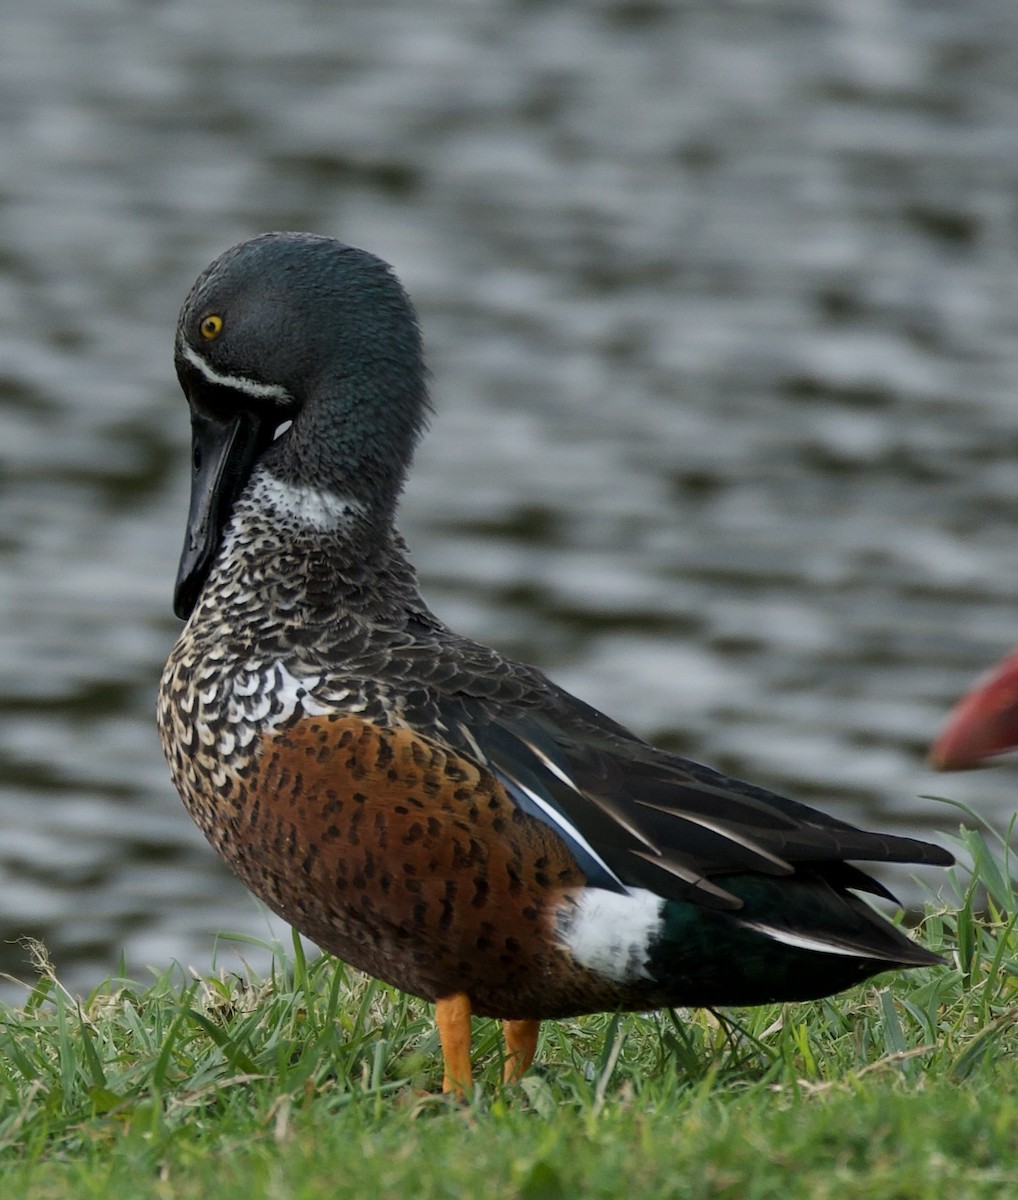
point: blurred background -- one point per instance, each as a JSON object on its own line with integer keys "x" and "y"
{"x": 721, "y": 302}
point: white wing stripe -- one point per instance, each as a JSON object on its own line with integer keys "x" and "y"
{"x": 802, "y": 942}
{"x": 611, "y": 811}
{"x": 571, "y": 833}
{"x": 721, "y": 831}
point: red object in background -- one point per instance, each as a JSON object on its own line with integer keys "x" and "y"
{"x": 983, "y": 723}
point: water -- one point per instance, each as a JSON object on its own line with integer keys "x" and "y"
{"x": 722, "y": 314}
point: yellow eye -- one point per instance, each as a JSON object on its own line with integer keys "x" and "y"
{"x": 211, "y": 327}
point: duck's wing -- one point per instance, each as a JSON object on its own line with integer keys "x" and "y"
{"x": 635, "y": 816}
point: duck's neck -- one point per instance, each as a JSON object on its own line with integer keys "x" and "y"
{"x": 353, "y": 439}
{"x": 298, "y": 563}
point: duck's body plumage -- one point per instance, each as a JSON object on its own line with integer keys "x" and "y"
{"x": 437, "y": 815}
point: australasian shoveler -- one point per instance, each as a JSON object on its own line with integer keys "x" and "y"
{"x": 983, "y": 723}
{"x": 430, "y": 811}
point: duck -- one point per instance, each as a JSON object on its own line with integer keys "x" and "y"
{"x": 414, "y": 802}
{"x": 983, "y": 723}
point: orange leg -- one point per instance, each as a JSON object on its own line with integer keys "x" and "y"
{"x": 452, "y": 1014}
{"x": 520, "y": 1045}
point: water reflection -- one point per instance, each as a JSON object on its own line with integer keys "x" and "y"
{"x": 721, "y": 310}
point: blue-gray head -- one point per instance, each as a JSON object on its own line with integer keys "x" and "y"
{"x": 300, "y": 328}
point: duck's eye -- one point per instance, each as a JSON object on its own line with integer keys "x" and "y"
{"x": 211, "y": 326}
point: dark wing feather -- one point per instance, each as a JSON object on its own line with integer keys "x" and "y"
{"x": 636, "y": 816}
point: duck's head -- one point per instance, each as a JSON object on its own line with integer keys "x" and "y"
{"x": 293, "y": 327}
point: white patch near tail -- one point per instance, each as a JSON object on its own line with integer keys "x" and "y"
{"x": 609, "y": 933}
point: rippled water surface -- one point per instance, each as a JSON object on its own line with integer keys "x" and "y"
{"x": 722, "y": 309}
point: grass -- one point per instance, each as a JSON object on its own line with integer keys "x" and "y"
{"x": 317, "y": 1082}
